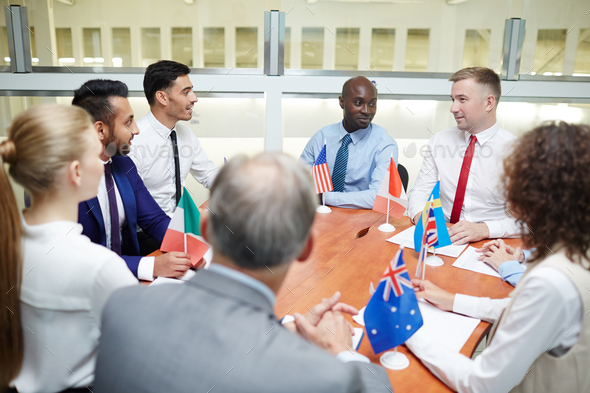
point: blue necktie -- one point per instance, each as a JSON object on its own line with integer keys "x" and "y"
{"x": 339, "y": 171}
{"x": 114, "y": 211}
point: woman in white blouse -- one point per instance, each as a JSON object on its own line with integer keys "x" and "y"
{"x": 55, "y": 280}
{"x": 540, "y": 341}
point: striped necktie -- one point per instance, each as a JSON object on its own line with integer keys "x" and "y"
{"x": 340, "y": 164}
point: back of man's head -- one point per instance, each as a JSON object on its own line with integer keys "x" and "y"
{"x": 94, "y": 97}
{"x": 483, "y": 76}
{"x": 261, "y": 210}
{"x": 161, "y": 76}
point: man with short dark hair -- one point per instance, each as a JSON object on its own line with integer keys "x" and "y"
{"x": 123, "y": 202}
{"x": 467, "y": 159}
{"x": 358, "y": 152}
{"x": 166, "y": 151}
{"x": 218, "y": 330}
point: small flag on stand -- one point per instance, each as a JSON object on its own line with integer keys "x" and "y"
{"x": 392, "y": 190}
{"x": 321, "y": 173}
{"x": 429, "y": 239}
{"x": 392, "y": 315}
{"x": 442, "y": 234}
{"x": 183, "y": 232}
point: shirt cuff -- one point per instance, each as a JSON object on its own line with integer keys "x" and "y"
{"x": 352, "y": 356}
{"x": 145, "y": 269}
{"x": 509, "y": 268}
{"x": 527, "y": 254}
{"x": 495, "y": 229}
{"x": 466, "y": 305}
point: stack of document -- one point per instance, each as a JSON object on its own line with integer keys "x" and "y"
{"x": 406, "y": 239}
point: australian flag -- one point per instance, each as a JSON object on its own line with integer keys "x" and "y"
{"x": 392, "y": 315}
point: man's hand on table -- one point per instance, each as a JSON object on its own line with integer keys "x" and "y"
{"x": 332, "y": 332}
{"x": 433, "y": 294}
{"x": 468, "y": 232}
{"x": 314, "y": 315}
{"x": 497, "y": 252}
{"x": 171, "y": 264}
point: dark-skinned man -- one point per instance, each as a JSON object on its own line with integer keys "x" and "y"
{"x": 358, "y": 151}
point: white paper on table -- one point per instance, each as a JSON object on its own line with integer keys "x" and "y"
{"x": 406, "y": 239}
{"x": 165, "y": 280}
{"x": 447, "y": 328}
{"x": 187, "y": 275}
{"x": 468, "y": 261}
{"x": 357, "y": 337}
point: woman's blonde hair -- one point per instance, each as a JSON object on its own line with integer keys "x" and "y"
{"x": 41, "y": 141}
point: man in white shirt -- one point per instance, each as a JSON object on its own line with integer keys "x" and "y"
{"x": 165, "y": 152}
{"x": 467, "y": 159}
{"x": 123, "y": 203}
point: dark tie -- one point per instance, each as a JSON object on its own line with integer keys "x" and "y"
{"x": 462, "y": 185}
{"x": 110, "y": 184}
{"x": 176, "y": 165}
{"x": 340, "y": 164}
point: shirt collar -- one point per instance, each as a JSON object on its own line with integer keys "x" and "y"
{"x": 484, "y": 136}
{"x": 244, "y": 279}
{"x": 157, "y": 126}
{"x": 355, "y": 136}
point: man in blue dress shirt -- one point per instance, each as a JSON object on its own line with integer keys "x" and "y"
{"x": 358, "y": 152}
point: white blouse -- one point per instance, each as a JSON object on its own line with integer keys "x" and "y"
{"x": 67, "y": 280}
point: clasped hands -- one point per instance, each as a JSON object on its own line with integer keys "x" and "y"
{"x": 325, "y": 326}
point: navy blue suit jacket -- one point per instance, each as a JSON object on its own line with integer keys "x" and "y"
{"x": 140, "y": 209}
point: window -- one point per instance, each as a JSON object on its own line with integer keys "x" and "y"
{"x": 92, "y": 50}
{"x": 549, "y": 52}
{"x": 214, "y": 47}
{"x": 417, "y": 50}
{"x": 583, "y": 53}
{"x": 347, "y": 49}
{"x": 382, "y": 49}
{"x": 65, "y": 49}
{"x": 150, "y": 45}
{"x": 287, "y": 57}
{"x": 182, "y": 45}
{"x": 312, "y": 48}
{"x": 477, "y": 48}
{"x": 121, "y": 47}
{"x": 246, "y": 47}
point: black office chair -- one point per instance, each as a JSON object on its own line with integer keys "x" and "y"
{"x": 403, "y": 175}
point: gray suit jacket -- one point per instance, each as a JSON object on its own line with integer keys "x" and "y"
{"x": 214, "y": 334}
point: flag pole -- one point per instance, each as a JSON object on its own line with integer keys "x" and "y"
{"x": 387, "y": 227}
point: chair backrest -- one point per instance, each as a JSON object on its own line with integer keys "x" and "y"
{"x": 403, "y": 174}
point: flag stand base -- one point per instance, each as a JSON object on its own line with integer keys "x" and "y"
{"x": 323, "y": 209}
{"x": 394, "y": 360}
{"x": 360, "y": 317}
{"x": 434, "y": 261}
{"x": 386, "y": 228}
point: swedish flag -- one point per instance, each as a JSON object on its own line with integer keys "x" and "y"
{"x": 441, "y": 225}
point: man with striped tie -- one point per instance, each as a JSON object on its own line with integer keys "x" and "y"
{"x": 358, "y": 151}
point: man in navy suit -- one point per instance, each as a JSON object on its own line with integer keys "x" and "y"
{"x": 123, "y": 202}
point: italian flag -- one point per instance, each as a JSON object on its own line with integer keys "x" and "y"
{"x": 391, "y": 197}
{"x": 183, "y": 232}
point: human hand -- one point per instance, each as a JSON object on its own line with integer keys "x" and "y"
{"x": 416, "y": 218}
{"x": 466, "y": 232}
{"x": 332, "y": 333}
{"x": 497, "y": 252}
{"x": 171, "y": 264}
{"x": 315, "y": 314}
{"x": 433, "y": 294}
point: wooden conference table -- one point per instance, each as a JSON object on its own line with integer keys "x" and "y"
{"x": 349, "y": 253}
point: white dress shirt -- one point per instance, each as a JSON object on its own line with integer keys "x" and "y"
{"x": 145, "y": 268}
{"x": 545, "y": 317}
{"x": 153, "y": 156}
{"x": 67, "y": 279}
{"x": 484, "y": 195}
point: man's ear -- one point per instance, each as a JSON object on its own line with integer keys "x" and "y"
{"x": 341, "y": 101}
{"x": 74, "y": 174}
{"x": 490, "y": 103}
{"x": 162, "y": 97}
{"x": 307, "y": 249}
{"x": 102, "y": 130}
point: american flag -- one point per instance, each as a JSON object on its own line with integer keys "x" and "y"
{"x": 321, "y": 173}
{"x": 431, "y": 231}
{"x": 393, "y": 277}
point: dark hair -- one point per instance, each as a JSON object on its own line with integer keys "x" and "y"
{"x": 94, "y": 96}
{"x": 548, "y": 188}
{"x": 161, "y": 76}
{"x": 483, "y": 76}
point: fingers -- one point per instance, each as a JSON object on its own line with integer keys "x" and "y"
{"x": 304, "y": 327}
{"x": 325, "y": 305}
{"x": 345, "y": 309}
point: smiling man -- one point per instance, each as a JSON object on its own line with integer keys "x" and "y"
{"x": 358, "y": 152}
{"x": 468, "y": 161}
{"x": 166, "y": 151}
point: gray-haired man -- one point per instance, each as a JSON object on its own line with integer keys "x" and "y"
{"x": 218, "y": 330}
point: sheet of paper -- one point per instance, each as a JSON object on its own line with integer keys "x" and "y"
{"x": 468, "y": 261}
{"x": 166, "y": 280}
{"x": 357, "y": 337}
{"x": 450, "y": 329}
{"x": 406, "y": 239}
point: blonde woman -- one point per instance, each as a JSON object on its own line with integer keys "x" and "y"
{"x": 53, "y": 280}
